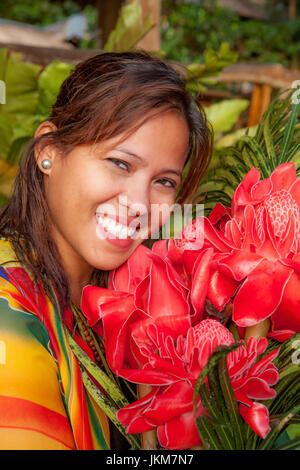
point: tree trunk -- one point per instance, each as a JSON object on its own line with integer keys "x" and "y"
{"x": 292, "y": 9}
{"x": 108, "y": 12}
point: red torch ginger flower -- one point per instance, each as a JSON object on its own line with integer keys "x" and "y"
{"x": 145, "y": 290}
{"x": 169, "y": 406}
{"x": 256, "y": 262}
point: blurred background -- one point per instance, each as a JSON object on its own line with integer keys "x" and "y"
{"x": 237, "y": 57}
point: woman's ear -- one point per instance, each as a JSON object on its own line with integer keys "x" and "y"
{"x": 44, "y": 151}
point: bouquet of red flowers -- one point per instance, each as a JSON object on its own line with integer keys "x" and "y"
{"x": 207, "y": 325}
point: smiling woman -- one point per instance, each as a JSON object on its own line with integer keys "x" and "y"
{"x": 124, "y": 141}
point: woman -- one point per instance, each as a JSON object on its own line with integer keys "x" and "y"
{"x": 123, "y": 139}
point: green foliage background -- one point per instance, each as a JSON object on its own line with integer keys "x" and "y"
{"x": 188, "y": 28}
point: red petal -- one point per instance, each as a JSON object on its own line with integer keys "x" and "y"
{"x": 261, "y": 189}
{"x": 221, "y": 289}
{"x": 268, "y": 249}
{"x": 189, "y": 259}
{"x": 233, "y": 233}
{"x": 94, "y": 297}
{"x": 261, "y": 293}
{"x": 287, "y": 317}
{"x": 285, "y": 245}
{"x": 170, "y": 403}
{"x": 200, "y": 282}
{"x": 257, "y": 417}
{"x": 261, "y": 345}
{"x": 257, "y": 389}
{"x": 161, "y": 248}
{"x": 147, "y": 376}
{"x": 216, "y": 238}
{"x": 131, "y": 416}
{"x": 117, "y": 318}
{"x": 139, "y": 424}
{"x": 250, "y": 235}
{"x": 281, "y": 335}
{"x": 265, "y": 362}
{"x": 295, "y": 191}
{"x": 270, "y": 375}
{"x": 172, "y": 303}
{"x": 218, "y": 212}
{"x": 283, "y": 176}
{"x": 241, "y": 195}
{"x": 293, "y": 263}
{"x": 242, "y": 398}
{"x": 239, "y": 264}
{"x": 162, "y": 365}
{"x": 130, "y": 274}
{"x": 180, "y": 433}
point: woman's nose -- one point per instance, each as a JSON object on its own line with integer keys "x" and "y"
{"x": 136, "y": 203}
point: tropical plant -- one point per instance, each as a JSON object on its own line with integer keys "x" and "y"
{"x": 223, "y": 428}
{"x": 188, "y": 28}
{"x": 130, "y": 28}
{"x": 30, "y": 93}
{"x": 274, "y": 141}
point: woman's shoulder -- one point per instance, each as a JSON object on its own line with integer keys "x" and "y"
{"x": 7, "y": 253}
{"x": 17, "y": 285}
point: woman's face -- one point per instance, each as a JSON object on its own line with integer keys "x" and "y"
{"x": 104, "y": 199}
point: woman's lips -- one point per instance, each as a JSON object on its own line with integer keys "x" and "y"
{"x": 114, "y": 231}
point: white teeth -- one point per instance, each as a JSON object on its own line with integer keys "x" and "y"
{"x": 119, "y": 230}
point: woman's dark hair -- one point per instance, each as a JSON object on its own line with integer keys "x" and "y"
{"x": 105, "y": 96}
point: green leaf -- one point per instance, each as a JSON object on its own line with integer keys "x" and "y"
{"x": 49, "y": 83}
{"x": 269, "y": 441}
{"x": 106, "y": 383}
{"x": 224, "y": 114}
{"x": 269, "y": 142}
{"x": 3, "y": 62}
{"x": 257, "y": 156}
{"x": 294, "y": 444}
{"x": 231, "y": 404}
{"x": 110, "y": 411}
{"x": 130, "y": 28}
{"x": 7, "y": 124}
{"x": 211, "y": 434}
{"x": 21, "y": 86}
{"x": 200, "y": 75}
{"x": 218, "y": 408}
{"x": 7, "y": 176}
{"x": 229, "y": 140}
{"x": 16, "y": 148}
{"x": 289, "y": 131}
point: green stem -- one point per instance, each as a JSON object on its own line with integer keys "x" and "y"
{"x": 108, "y": 409}
{"x": 96, "y": 344}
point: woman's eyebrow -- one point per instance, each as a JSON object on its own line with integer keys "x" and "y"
{"x": 129, "y": 152}
{"x": 132, "y": 154}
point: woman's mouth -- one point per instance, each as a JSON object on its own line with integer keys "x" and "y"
{"x": 114, "y": 232}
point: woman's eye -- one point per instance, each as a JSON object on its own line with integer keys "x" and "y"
{"x": 167, "y": 183}
{"x": 120, "y": 163}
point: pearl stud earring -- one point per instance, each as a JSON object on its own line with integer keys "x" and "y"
{"x": 46, "y": 164}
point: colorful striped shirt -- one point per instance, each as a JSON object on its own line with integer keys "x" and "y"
{"x": 43, "y": 402}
